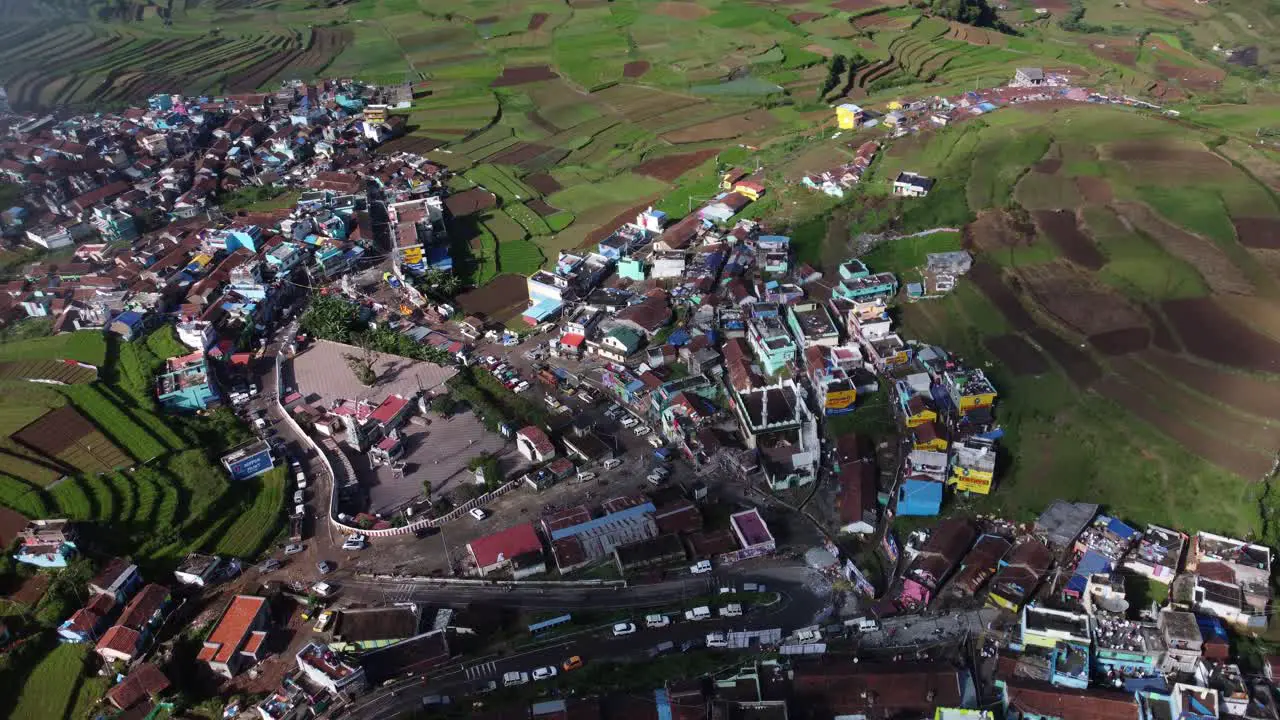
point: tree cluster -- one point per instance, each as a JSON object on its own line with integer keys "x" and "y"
{"x": 336, "y": 319}
{"x": 836, "y": 68}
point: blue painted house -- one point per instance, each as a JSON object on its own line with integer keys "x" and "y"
{"x": 187, "y": 384}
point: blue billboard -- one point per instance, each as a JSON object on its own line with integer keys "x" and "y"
{"x": 249, "y": 462}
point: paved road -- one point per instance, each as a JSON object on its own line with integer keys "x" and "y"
{"x": 803, "y": 596}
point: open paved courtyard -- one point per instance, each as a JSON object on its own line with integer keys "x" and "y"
{"x": 435, "y": 449}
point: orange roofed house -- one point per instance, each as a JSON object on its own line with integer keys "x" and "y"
{"x": 239, "y": 637}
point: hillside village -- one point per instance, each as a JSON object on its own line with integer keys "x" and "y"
{"x": 695, "y": 349}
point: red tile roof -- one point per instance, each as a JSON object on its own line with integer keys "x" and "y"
{"x": 879, "y": 691}
{"x": 502, "y": 546}
{"x": 233, "y": 629}
{"x": 389, "y": 408}
{"x": 145, "y": 681}
{"x": 1043, "y": 699}
{"x": 538, "y": 438}
{"x": 857, "y": 491}
{"x": 120, "y": 639}
{"x": 143, "y": 606}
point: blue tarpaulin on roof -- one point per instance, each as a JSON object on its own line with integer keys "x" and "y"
{"x": 1077, "y": 584}
{"x": 1121, "y": 530}
{"x": 679, "y": 337}
{"x": 543, "y": 309}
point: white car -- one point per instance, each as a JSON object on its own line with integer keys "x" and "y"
{"x": 624, "y": 628}
{"x": 479, "y": 514}
{"x": 642, "y": 431}
{"x": 731, "y": 610}
{"x": 698, "y": 613}
{"x": 586, "y": 476}
{"x": 702, "y": 566}
{"x": 656, "y": 621}
{"x": 716, "y": 640}
{"x": 514, "y": 678}
{"x": 612, "y": 463}
{"x": 524, "y": 385}
{"x": 655, "y": 441}
{"x": 544, "y": 673}
{"x": 352, "y": 545}
{"x": 628, "y": 421}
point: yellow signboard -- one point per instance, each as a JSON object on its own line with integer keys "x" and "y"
{"x": 841, "y": 399}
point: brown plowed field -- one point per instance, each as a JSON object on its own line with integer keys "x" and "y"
{"x": 501, "y": 299}
{"x": 469, "y": 202}
{"x": 1117, "y": 53}
{"x": 669, "y": 167}
{"x": 1210, "y": 332}
{"x": 55, "y": 431}
{"x": 1015, "y": 353}
{"x": 681, "y": 10}
{"x": 518, "y": 153}
{"x": 1222, "y": 275}
{"x": 1121, "y": 342}
{"x": 546, "y": 125}
{"x": 1048, "y": 166}
{"x": 1258, "y": 232}
{"x": 995, "y": 230}
{"x": 635, "y": 69}
{"x": 1242, "y": 392}
{"x": 987, "y": 277}
{"x": 541, "y": 207}
{"x": 524, "y": 75}
{"x": 1080, "y": 368}
{"x": 1094, "y": 190}
{"x": 1063, "y": 229}
{"x": 1083, "y": 304}
{"x": 543, "y": 183}
{"x": 801, "y": 18}
{"x": 1202, "y": 79}
{"x": 724, "y": 128}
{"x": 855, "y": 5}
{"x": 536, "y": 20}
{"x": 1237, "y": 428}
{"x": 1247, "y": 464}
{"x": 1161, "y": 335}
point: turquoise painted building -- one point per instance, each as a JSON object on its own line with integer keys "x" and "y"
{"x": 186, "y": 384}
{"x": 771, "y": 343}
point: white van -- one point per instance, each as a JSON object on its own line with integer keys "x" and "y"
{"x": 300, "y": 511}
{"x": 299, "y": 498}
{"x": 515, "y": 677}
{"x": 717, "y": 640}
{"x": 702, "y": 566}
{"x": 656, "y": 621}
{"x": 698, "y": 613}
{"x": 863, "y": 624}
{"x": 731, "y": 610}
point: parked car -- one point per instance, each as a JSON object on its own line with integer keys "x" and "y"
{"x": 524, "y": 385}
{"x": 623, "y": 628}
{"x": 726, "y": 590}
{"x": 269, "y": 565}
{"x": 355, "y": 542}
{"x": 325, "y": 567}
{"x": 612, "y": 463}
{"x": 731, "y": 610}
{"x": 544, "y": 673}
{"x": 717, "y": 640}
{"x": 426, "y": 532}
{"x": 479, "y": 513}
{"x": 629, "y": 422}
{"x": 294, "y": 548}
{"x": 656, "y": 621}
{"x": 698, "y": 613}
{"x": 661, "y": 648}
{"x": 655, "y": 441}
{"x": 702, "y": 566}
{"x": 514, "y": 678}
{"x": 586, "y": 476}
{"x": 642, "y": 431}
{"x": 572, "y": 663}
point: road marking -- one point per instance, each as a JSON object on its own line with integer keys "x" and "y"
{"x": 483, "y": 670}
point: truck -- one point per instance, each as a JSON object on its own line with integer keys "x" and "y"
{"x": 295, "y": 528}
{"x": 548, "y": 378}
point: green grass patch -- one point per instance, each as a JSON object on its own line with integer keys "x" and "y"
{"x": 1196, "y": 208}
{"x": 528, "y": 219}
{"x": 103, "y": 412}
{"x": 906, "y": 253}
{"x": 501, "y": 182}
{"x": 559, "y": 221}
{"x": 502, "y": 226}
{"x": 52, "y": 685}
{"x": 86, "y": 346}
{"x": 1137, "y": 265}
{"x": 619, "y": 188}
{"x": 522, "y": 257}
{"x": 256, "y": 526}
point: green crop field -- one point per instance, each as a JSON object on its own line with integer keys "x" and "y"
{"x": 52, "y": 684}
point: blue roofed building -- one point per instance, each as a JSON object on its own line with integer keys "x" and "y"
{"x": 773, "y": 253}
{"x": 129, "y": 325}
{"x": 920, "y": 498}
{"x": 599, "y": 536}
{"x": 231, "y": 239}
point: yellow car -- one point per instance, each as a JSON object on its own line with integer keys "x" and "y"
{"x": 572, "y": 663}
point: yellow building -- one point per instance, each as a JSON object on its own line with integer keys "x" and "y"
{"x": 749, "y": 188}
{"x": 919, "y": 412}
{"x": 925, "y": 437}
{"x": 848, "y": 116}
{"x": 970, "y": 390}
{"x": 730, "y": 178}
{"x": 973, "y": 465}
